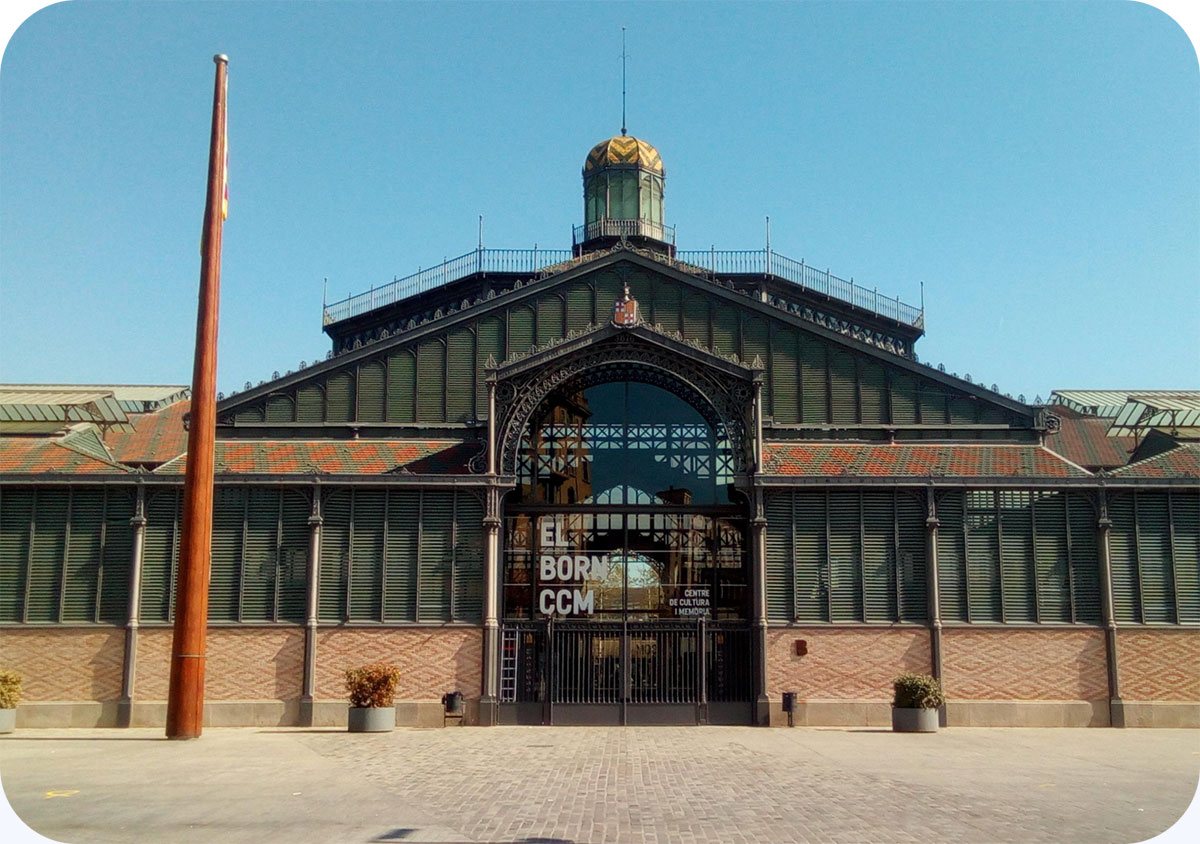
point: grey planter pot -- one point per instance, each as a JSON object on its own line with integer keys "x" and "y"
{"x": 914, "y": 720}
{"x": 8, "y": 720}
{"x": 375, "y": 719}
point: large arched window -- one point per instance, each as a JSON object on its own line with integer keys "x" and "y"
{"x": 624, "y": 443}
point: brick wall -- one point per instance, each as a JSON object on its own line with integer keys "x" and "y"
{"x": 849, "y": 664}
{"x": 242, "y": 664}
{"x": 65, "y": 664}
{"x": 432, "y": 661}
{"x": 1024, "y": 664}
{"x": 1159, "y": 664}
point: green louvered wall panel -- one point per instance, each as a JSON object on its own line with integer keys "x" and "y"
{"x": 402, "y": 387}
{"x": 437, "y": 518}
{"x": 549, "y": 319}
{"x": 16, "y": 514}
{"x": 579, "y": 307}
{"x": 755, "y": 341}
{"x": 910, "y": 515}
{"x": 1052, "y": 555}
{"x": 400, "y": 566}
{"x": 1127, "y": 601}
{"x": 845, "y": 554}
{"x": 371, "y": 392}
{"x": 160, "y": 554}
{"x": 813, "y": 386}
{"x": 1154, "y": 557}
{"x": 489, "y": 342}
{"x": 80, "y": 554}
{"x": 641, "y": 289}
{"x": 931, "y": 403}
{"x": 785, "y": 377}
{"x": 962, "y": 411}
{"x": 49, "y": 541}
{"x": 983, "y": 556}
{"x": 460, "y": 371}
{"x": 366, "y": 554}
{"x": 668, "y": 311}
{"x": 310, "y": 404}
{"x": 1085, "y": 557}
{"x": 841, "y": 381}
{"x": 280, "y": 409}
{"x": 520, "y": 330}
{"x": 229, "y": 513}
{"x": 116, "y": 556}
{"x": 1185, "y": 521}
{"x": 695, "y": 317}
{"x": 84, "y": 549}
{"x": 904, "y": 399}
{"x": 951, "y": 557}
{"x": 1018, "y": 598}
{"x": 608, "y": 290}
{"x": 431, "y": 381}
{"x": 335, "y": 553}
{"x": 725, "y": 333}
{"x": 339, "y": 391}
{"x": 248, "y": 415}
{"x": 260, "y": 562}
{"x": 811, "y": 591}
{"x": 294, "y": 542}
{"x": 874, "y": 392}
{"x": 781, "y": 558}
{"x": 468, "y": 558}
{"x": 879, "y": 555}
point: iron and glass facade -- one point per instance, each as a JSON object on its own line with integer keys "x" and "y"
{"x": 625, "y": 484}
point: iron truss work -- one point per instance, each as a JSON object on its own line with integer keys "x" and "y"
{"x": 723, "y": 395}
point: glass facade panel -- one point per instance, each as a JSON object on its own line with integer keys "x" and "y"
{"x": 636, "y": 565}
{"x": 623, "y": 443}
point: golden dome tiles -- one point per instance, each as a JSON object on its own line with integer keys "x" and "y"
{"x": 624, "y": 149}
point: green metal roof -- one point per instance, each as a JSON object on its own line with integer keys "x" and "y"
{"x": 1108, "y": 403}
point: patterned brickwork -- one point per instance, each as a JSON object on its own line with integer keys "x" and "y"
{"x": 852, "y": 664}
{"x": 243, "y": 664}
{"x": 1024, "y": 664}
{"x": 1159, "y": 664}
{"x": 65, "y": 664}
{"x": 431, "y": 661}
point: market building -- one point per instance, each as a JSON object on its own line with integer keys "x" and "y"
{"x": 620, "y": 483}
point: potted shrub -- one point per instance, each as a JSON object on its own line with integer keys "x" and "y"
{"x": 916, "y": 703}
{"x": 10, "y": 693}
{"x": 372, "y": 691}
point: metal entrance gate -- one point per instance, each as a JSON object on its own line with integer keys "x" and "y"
{"x": 631, "y": 672}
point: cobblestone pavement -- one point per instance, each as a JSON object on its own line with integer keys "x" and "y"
{"x": 589, "y": 785}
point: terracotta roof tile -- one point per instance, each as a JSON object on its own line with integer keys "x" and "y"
{"x": 156, "y": 437}
{"x": 1084, "y": 440}
{"x": 1180, "y": 462}
{"x": 823, "y": 459}
{"x": 35, "y": 455}
{"x": 357, "y": 457}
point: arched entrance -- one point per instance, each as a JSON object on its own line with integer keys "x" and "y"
{"x": 625, "y": 574}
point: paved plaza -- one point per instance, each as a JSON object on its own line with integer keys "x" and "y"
{"x": 596, "y": 785}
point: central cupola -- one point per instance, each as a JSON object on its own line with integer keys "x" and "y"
{"x": 623, "y": 197}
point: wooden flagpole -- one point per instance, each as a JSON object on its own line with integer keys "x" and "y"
{"x": 185, "y": 703}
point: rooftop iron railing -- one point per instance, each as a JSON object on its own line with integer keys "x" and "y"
{"x": 769, "y": 262}
{"x": 716, "y": 261}
{"x": 623, "y": 228}
{"x": 475, "y": 261}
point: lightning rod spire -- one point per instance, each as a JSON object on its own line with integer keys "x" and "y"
{"x": 623, "y": 57}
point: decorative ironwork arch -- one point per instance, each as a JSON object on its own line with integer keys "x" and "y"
{"x": 725, "y": 401}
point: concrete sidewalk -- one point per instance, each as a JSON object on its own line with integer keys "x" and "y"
{"x": 639, "y": 785}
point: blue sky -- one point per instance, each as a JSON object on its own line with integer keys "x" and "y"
{"x": 1034, "y": 164}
